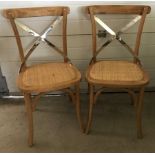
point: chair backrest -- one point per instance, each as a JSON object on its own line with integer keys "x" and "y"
{"x": 59, "y": 13}
{"x": 138, "y": 10}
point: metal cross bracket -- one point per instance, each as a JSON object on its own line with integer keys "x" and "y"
{"x": 116, "y": 35}
{"x": 39, "y": 38}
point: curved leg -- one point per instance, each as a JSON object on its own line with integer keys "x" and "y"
{"x": 78, "y": 106}
{"x": 35, "y": 101}
{"x": 139, "y": 107}
{"x": 133, "y": 97}
{"x": 27, "y": 98}
{"x": 99, "y": 91}
{"x": 91, "y": 99}
{"x": 88, "y": 88}
{"x": 71, "y": 95}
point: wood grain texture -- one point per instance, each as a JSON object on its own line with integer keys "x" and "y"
{"x": 118, "y": 9}
{"x": 34, "y": 12}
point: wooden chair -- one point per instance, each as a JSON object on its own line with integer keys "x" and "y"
{"x": 44, "y": 77}
{"x": 122, "y": 74}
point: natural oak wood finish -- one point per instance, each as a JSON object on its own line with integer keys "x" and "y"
{"x": 45, "y": 77}
{"x": 119, "y": 74}
{"x": 35, "y": 12}
{"x": 118, "y": 9}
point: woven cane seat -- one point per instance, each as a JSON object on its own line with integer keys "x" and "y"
{"x": 116, "y": 71}
{"x": 49, "y": 76}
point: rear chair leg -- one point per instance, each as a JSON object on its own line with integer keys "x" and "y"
{"x": 139, "y": 107}
{"x": 91, "y": 99}
{"x": 28, "y": 104}
{"x": 133, "y": 97}
{"x": 78, "y": 106}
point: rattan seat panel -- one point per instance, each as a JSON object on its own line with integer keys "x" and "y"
{"x": 116, "y": 71}
{"x": 48, "y": 76}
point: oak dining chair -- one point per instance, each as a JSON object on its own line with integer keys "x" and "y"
{"x": 45, "y": 77}
{"x": 127, "y": 75}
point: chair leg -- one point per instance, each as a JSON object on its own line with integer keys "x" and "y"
{"x": 133, "y": 97}
{"x": 88, "y": 88}
{"x": 139, "y": 107}
{"x": 27, "y": 98}
{"x": 78, "y": 106}
{"x": 71, "y": 95}
{"x": 91, "y": 102}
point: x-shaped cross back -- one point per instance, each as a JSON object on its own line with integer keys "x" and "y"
{"x": 39, "y": 38}
{"x": 116, "y": 35}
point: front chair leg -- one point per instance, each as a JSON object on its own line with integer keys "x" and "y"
{"x": 28, "y": 104}
{"x": 78, "y": 106}
{"x": 91, "y": 102}
{"x": 139, "y": 107}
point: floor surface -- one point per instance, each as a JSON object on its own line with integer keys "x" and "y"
{"x": 57, "y": 130}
